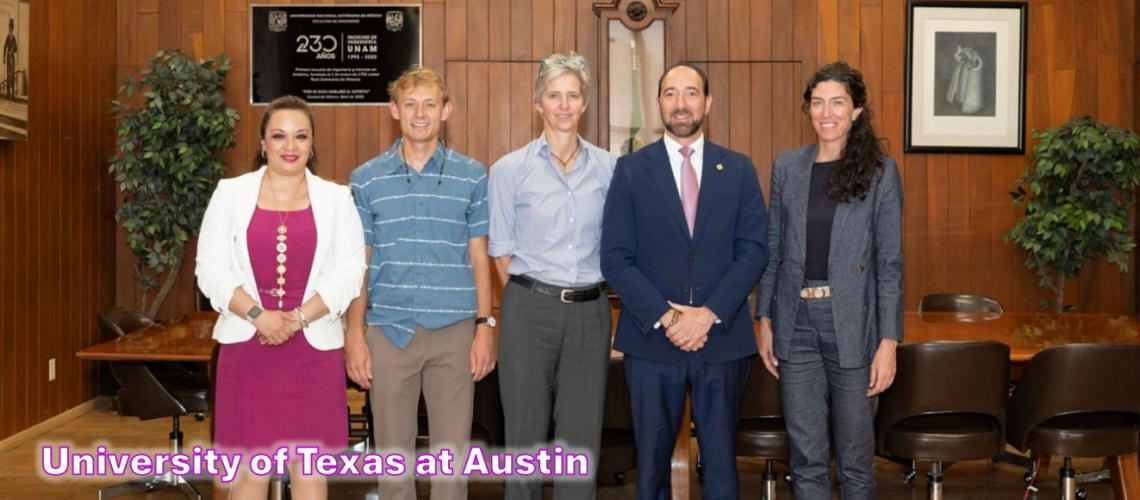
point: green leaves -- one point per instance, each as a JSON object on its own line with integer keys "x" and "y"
{"x": 1077, "y": 193}
{"x": 173, "y": 127}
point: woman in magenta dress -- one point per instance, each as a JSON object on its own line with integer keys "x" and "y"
{"x": 280, "y": 256}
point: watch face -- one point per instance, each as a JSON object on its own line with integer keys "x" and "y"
{"x": 491, "y": 321}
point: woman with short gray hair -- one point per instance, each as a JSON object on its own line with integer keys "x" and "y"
{"x": 546, "y": 220}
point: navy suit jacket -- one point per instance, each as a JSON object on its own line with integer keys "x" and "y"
{"x": 648, "y": 256}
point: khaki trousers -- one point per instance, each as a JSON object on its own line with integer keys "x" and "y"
{"x": 438, "y": 363}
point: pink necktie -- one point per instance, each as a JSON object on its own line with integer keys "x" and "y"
{"x": 689, "y": 188}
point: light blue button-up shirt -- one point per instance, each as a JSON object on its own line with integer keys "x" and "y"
{"x": 416, "y": 225}
{"x": 550, "y": 224}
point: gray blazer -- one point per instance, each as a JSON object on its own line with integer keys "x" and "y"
{"x": 865, "y": 262}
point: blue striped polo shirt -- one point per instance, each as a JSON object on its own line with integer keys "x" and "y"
{"x": 417, "y": 225}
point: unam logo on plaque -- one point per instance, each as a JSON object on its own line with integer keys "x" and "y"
{"x": 395, "y": 20}
{"x": 278, "y": 21}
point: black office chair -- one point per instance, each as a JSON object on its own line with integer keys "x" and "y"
{"x": 761, "y": 432}
{"x": 959, "y": 303}
{"x": 618, "y": 453}
{"x": 947, "y": 404}
{"x": 143, "y": 395}
{"x": 1077, "y": 400}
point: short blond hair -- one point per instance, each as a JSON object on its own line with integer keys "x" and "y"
{"x": 414, "y": 77}
{"x": 556, "y": 65}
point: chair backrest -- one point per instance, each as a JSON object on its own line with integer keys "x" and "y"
{"x": 959, "y": 302}
{"x": 618, "y": 414}
{"x": 943, "y": 378}
{"x": 1074, "y": 378}
{"x": 761, "y": 393}
{"x": 141, "y": 394}
{"x": 117, "y": 322}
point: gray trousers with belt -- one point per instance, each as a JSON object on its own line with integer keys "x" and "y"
{"x": 553, "y": 355}
{"x": 826, "y": 407}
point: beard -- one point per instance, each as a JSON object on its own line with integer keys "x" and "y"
{"x": 684, "y": 131}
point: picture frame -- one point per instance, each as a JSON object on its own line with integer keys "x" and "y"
{"x": 965, "y": 77}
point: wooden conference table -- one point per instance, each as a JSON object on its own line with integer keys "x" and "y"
{"x": 1026, "y": 333}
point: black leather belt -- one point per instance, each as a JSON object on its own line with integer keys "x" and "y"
{"x": 566, "y": 295}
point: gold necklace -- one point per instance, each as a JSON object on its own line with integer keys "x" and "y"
{"x": 564, "y": 165}
{"x": 282, "y": 236}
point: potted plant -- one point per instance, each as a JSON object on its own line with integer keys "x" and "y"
{"x": 169, "y": 160}
{"x": 1077, "y": 193}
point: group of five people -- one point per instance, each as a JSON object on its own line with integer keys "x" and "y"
{"x": 679, "y": 229}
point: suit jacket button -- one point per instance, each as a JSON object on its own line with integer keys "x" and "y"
{"x": 692, "y": 256}
{"x": 865, "y": 308}
{"x": 860, "y": 269}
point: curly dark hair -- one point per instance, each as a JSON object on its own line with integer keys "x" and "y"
{"x": 286, "y": 102}
{"x": 862, "y": 155}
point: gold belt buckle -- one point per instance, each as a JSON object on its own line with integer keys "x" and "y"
{"x": 815, "y": 292}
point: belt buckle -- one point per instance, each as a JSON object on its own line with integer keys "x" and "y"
{"x": 562, "y": 296}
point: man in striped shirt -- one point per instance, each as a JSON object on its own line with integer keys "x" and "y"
{"x": 424, "y": 318}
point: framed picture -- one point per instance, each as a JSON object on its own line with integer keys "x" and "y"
{"x": 15, "y": 31}
{"x": 965, "y": 77}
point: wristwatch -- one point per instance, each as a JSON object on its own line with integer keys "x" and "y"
{"x": 253, "y": 313}
{"x": 489, "y": 320}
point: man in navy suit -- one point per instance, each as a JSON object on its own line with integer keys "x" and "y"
{"x": 683, "y": 242}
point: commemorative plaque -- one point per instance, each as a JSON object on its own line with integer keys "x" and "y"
{"x": 334, "y": 54}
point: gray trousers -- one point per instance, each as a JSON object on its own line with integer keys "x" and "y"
{"x": 553, "y": 354}
{"x": 822, "y": 401}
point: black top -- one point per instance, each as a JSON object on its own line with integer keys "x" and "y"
{"x": 820, "y": 213}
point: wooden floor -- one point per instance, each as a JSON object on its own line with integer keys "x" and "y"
{"x": 20, "y": 477}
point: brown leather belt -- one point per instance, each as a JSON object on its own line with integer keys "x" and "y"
{"x": 815, "y": 292}
{"x": 567, "y": 295}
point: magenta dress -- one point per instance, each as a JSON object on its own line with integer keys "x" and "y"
{"x": 285, "y": 395}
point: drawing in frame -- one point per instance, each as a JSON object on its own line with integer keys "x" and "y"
{"x": 965, "y": 77}
{"x": 15, "y": 33}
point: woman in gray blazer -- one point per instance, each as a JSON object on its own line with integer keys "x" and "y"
{"x": 830, "y": 304}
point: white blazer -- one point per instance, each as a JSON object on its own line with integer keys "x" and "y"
{"x": 223, "y": 256}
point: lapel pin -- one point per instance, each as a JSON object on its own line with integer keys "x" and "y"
{"x": 719, "y": 166}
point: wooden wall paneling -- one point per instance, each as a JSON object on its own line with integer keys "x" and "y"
{"x": 455, "y": 130}
{"x": 520, "y": 27}
{"x": 434, "y": 39}
{"x": 521, "y": 97}
{"x": 586, "y": 41}
{"x": 786, "y": 114}
{"x": 916, "y": 230}
{"x": 893, "y": 50}
{"x": 477, "y": 112}
{"x": 52, "y": 240}
{"x": 236, "y": 91}
{"x": 696, "y": 30}
{"x": 343, "y": 125}
{"x": 601, "y": 77}
{"x": 676, "y": 36}
{"x": 762, "y": 123}
{"x": 1086, "y": 81}
{"x": 213, "y": 27}
{"x": 937, "y": 213}
{"x": 718, "y": 119}
{"x": 870, "y": 63}
{"x": 782, "y": 17}
{"x": 565, "y": 26}
{"x": 456, "y": 38}
{"x": 759, "y": 29}
{"x": 850, "y": 25}
{"x": 170, "y": 23}
{"x": 498, "y": 112}
{"x": 193, "y": 23}
{"x": 739, "y": 20}
{"x": 499, "y": 30}
{"x": 478, "y": 31}
{"x": 827, "y": 22}
{"x": 718, "y": 20}
{"x": 740, "y": 109}
{"x": 984, "y": 201}
{"x": 542, "y": 29}
{"x": 808, "y": 31}
{"x": 367, "y": 125}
